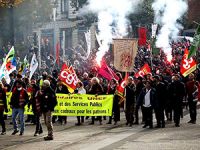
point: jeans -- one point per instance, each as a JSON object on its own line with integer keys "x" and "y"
{"x": 15, "y": 113}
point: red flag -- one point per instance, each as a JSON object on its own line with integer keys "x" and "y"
{"x": 187, "y": 65}
{"x": 121, "y": 86}
{"x": 58, "y": 53}
{"x": 68, "y": 77}
{"x": 143, "y": 71}
{"x": 142, "y": 31}
{"x": 107, "y": 72}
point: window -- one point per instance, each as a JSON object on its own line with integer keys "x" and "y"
{"x": 63, "y": 6}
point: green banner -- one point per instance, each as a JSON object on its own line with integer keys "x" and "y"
{"x": 195, "y": 44}
{"x": 77, "y": 105}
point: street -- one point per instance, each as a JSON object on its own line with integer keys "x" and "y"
{"x": 108, "y": 137}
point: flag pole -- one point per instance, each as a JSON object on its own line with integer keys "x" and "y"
{"x": 196, "y": 59}
{"x": 196, "y": 22}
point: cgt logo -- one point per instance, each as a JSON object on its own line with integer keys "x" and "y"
{"x": 70, "y": 78}
{"x": 187, "y": 63}
{"x": 141, "y": 73}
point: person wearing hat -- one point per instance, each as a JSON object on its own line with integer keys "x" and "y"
{"x": 47, "y": 105}
{"x": 3, "y": 107}
{"x": 18, "y": 101}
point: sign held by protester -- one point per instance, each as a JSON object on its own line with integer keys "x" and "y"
{"x": 77, "y": 105}
{"x": 125, "y": 51}
{"x": 68, "y": 77}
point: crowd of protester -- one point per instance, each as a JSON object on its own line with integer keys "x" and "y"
{"x": 164, "y": 93}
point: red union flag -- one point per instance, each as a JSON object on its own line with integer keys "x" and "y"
{"x": 121, "y": 86}
{"x": 68, "y": 77}
{"x": 143, "y": 71}
{"x": 187, "y": 65}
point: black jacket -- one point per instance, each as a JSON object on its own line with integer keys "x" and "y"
{"x": 130, "y": 94}
{"x": 4, "y": 101}
{"x": 96, "y": 89}
{"x": 177, "y": 92}
{"x": 161, "y": 92}
{"x": 48, "y": 100}
{"x": 63, "y": 90}
{"x": 153, "y": 98}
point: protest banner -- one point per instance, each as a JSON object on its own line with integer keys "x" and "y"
{"x": 125, "y": 51}
{"x": 77, "y": 105}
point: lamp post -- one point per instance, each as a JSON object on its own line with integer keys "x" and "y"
{"x": 12, "y": 30}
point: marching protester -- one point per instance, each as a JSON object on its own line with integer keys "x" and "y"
{"x": 147, "y": 100}
{"x": 192, "y": 92}
{"x": 35, "y": 101}
{"x": 177, "y": 93}
{"x": 62, "y": 89}
{"x": 80, "y": 90}
{"x": 161, "y": 101}
{"x": 85, "y": 79}
{"x": 47, "y": 104}
{"x": 96, "y": 89}
{"x": 18, "y": 101}
{"x": 139, "y": 86}
{"x": 3, "y": 108}
{"x": 116, "y": 109}
{"x": 129, "y": 95}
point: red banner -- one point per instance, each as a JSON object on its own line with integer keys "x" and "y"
{"x": 187, "y": 65}
{"x": 143, "y": 71}
{"x": 106, "y": 71}
{"x": 142, "y": 31}
{"x": 68, "y": 77}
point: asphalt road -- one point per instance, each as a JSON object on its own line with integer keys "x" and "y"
{"x": 108, "y": 137}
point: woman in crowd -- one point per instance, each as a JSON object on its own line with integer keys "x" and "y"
{"x": 116, "y": 109}
{"x": 80, "y": 90}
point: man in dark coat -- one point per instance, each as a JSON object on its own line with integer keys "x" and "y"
{"x": 191, "y": 91}
{"x": 139, "y": 87}
{"x": 161, "y": 101}
{"x": 129, "y": 95}
{"x": 48, "y": 103}
{"x": 147, "y": 99}
{"x": 62, "y": 89}
{"x": 177, "y": 93}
